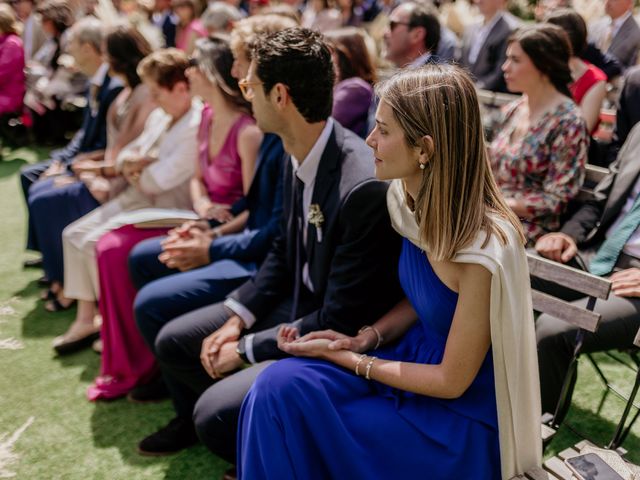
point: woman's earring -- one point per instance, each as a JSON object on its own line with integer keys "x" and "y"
{"x": 423, "y": 166}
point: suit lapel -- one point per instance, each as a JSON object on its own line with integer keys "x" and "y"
{"x": 92, "y": 122}
{"x": 325, "y": 183}
{"x": 483, "y": 57}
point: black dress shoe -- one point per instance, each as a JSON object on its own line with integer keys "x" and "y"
{"x": 177, "y": 435}
{"x": 154, "y": 391}
{"x": 33, "y": 263}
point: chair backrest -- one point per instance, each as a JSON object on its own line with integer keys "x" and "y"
{"x": 583, "y": 282}
{"x": 593, "y": 176}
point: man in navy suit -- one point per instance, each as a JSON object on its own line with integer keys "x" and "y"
{"x": 165, "y": 20}
{"x": 85, "y": 45}
{"x": 332, "y": 265}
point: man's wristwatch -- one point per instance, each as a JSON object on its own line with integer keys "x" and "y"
{"x": 241, "y": 350}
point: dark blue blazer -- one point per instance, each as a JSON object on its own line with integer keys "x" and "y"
{"x": 93, "y": 132}
{"x": 169, "y": 30}
{"x": 264, "y": 203}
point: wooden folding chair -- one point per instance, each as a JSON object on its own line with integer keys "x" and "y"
{"x": 585, "y": 319}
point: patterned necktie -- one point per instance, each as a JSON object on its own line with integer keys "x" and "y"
{"x": 608, "y": 253}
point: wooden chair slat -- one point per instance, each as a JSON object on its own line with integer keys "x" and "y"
{"x": 583, "y": 282}
{"x": 594, "y": 173}
{"x": 547, "y": 432}
{"x": 585, "y": 195}
{"x": 558, "y": 468}
{"x": 568, "y": 312}
{"x": 494, "y": 99}
{"x": 568, "y": 453}
{"x": 537, "y": 474}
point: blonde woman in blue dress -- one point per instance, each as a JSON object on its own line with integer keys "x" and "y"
{"x": 445, "y": 385}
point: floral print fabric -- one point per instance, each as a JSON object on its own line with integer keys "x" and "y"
{"x": 544, "y": 167}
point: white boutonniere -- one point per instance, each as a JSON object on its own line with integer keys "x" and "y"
{"x": 316, "y": 218}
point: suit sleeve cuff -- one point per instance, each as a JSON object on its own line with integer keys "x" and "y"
{"x": 243, "y": 312}
{"x": 248, "y": 348}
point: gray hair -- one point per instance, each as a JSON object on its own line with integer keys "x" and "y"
{"x": 89, "y": 30}
{"x": 218, "y": 15}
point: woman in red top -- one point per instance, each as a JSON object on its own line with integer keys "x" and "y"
{"x": 589, "y": 85}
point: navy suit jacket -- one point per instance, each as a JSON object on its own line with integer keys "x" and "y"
{"x": 353, "y": 269}
{"x": 264, "y": 203}
{"x": 93, "y": 132}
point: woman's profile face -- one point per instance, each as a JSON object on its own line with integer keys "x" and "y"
{"x": 394, "y": 158}
{"x": 520, "y": 73}
{"x": 199, "y": 84}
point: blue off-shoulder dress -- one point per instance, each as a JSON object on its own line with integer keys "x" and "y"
{"x": 310, "y": 419}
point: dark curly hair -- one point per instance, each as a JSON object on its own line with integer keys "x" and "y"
{"x": 549, "y": 49}
{"x": 126, "y": 47}
{"x": 300, "y": 59}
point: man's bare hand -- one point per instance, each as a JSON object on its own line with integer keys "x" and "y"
{"x": 227, "y": 360}
{"x": 56, "y": 168}
{"x": 626, "y": 283}
{"x": 557, "y": 246}
{"x": 186, "y": 253}
{"x": 229, "y": 332}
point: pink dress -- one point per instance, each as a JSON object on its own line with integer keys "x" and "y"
{"x": 183, "y": 34}
{"x": 126, "y": 359}
{"x": 222, "y": 174}
{"x": 12, "y": 80}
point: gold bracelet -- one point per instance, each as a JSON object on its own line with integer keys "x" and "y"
{"x": 368, "y": 370}
{"x": 360, "y": 359}
{"x": 379, "y": 336}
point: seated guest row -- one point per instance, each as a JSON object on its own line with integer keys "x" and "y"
{"x": 323, "y": 276}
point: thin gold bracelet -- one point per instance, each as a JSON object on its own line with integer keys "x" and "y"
{"x": 379, "y": 336}
{"x": 360, "y": 359}
{"x": 368, "y": 370}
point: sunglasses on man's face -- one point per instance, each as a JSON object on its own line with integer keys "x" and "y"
{"x": 393, "y": 24}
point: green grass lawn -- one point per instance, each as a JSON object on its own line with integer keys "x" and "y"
{"x": 72, "y": 438}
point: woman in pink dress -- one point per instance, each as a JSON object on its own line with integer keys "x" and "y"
{"x": 190, "y": 28}
{"x": 12, "y": 86}
{"x": 228, "y": 146}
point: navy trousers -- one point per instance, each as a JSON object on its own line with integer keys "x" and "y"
{"x": 165, "y": 294}
{"x": 51, "y": 209}
{"x": 28, "y": 175}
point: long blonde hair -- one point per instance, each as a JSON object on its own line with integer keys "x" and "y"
{"x": 458, "y": 192}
